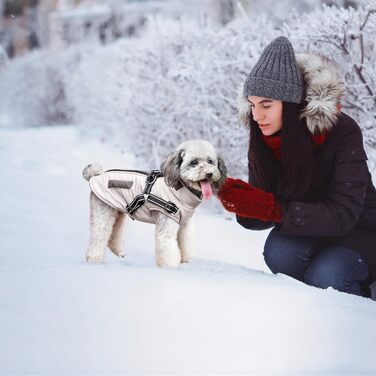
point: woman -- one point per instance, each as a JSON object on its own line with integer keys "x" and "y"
{"x": 308, "y": 176}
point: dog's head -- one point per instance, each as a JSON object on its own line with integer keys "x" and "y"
{"x": 197, "y": 165}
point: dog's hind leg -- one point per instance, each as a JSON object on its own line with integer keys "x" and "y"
{"x": 117, "y": 236}
{"x": 102, "y": 219}
{"x": 186, "y": 240}
{"x": 166, "y": 243}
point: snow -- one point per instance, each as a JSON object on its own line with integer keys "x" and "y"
{"x": 223, "y": 313}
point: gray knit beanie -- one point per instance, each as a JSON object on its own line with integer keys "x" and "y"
{"x": 276, "y": 75}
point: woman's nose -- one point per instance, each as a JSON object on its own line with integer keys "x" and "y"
{"x": 257, "y": 114}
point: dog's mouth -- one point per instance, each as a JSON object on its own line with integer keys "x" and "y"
{"x": 201, "y": 188}
{"x": 206, "y": 189}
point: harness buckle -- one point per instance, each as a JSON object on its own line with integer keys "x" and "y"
{"x": 152, "y": 177}
{"x": 170, "y": 207}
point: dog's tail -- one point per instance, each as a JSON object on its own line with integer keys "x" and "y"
{"x": 92, "y": 170}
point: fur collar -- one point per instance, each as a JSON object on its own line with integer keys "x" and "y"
{"x": 324, "y": 89}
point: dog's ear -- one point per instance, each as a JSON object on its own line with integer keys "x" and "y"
{"x": 170, "y": 168}
{"x": 223, "y": 171}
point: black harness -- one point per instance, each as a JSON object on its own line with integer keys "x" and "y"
{"x": 140, "y": 199}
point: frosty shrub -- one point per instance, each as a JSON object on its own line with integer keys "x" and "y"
{"x": 180, "y": 81}
{"x": 177, "y": 84}
{"x": 32, "y": 90}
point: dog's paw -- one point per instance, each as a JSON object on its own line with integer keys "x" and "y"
{"x": 168, "y": 259}
{"x": 120, "y": 254}
{"x": 185, "y": 260}
{"x": 185, "y": 256}
{"x": 116, "y": 251}
{"x": 94, "y": 258}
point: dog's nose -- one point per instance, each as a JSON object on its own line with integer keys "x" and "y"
{"x": 209, "y": 175}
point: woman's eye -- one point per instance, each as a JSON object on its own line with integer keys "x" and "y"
{"x": 266, "y": 106}
{"x": 193, "y": 163}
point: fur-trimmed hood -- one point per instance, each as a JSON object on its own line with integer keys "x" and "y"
{"x": 324, "y": 89}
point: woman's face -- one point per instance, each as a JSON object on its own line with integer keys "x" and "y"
{"x": 267, "y": 113}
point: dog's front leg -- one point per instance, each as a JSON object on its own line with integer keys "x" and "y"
{"x": 186, "y": 240}
{"x": 166, "y": 243}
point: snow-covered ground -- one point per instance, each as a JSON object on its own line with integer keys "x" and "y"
{"x": 222, "y": 314}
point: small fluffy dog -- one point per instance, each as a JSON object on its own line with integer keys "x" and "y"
{"x": 189, "y": 175}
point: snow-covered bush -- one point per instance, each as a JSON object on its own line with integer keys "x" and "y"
{"x": 179, "y": 81}
{"x": 32, "y": 89}
{"x": 178, "y": 84}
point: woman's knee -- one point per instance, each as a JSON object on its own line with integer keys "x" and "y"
{"x": 288, "y": 254}
{"x": 340, "y": 268}
{"x": 272, "y": 251}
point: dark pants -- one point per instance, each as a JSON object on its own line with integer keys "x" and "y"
{"x": 319, "y": 266}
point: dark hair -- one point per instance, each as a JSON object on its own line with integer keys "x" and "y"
{"x": 290, "y": 178}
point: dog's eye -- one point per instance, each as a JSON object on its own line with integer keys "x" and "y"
{"x": 193, "y": 163}
{"x": 210, "y": 161}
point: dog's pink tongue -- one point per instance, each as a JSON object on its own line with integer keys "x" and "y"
{"x": 206, "y": 189}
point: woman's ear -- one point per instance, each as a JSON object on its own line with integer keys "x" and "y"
{"x": 223, "y": 171}
{"x": 170, "y": 168}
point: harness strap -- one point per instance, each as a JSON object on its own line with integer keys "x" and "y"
{"x": 140, "y": 199}
{"x": 150, "y": 180}
{"x": 169, "y": 206}
{"x": 137, "y": 202}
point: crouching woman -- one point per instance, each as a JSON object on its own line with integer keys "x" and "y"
{"x": 308, "y": 175}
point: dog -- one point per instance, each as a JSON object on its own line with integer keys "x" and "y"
{"x": 166, "y": 198}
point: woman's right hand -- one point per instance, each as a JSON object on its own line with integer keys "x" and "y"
{"x": 244, "y": 199}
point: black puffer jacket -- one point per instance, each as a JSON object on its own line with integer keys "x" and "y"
{"x": 341, "y": 205}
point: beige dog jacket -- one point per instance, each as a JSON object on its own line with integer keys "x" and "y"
{"x": 118, "y": 188}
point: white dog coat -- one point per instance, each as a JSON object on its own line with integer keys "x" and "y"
{"x": 118, "y": 188}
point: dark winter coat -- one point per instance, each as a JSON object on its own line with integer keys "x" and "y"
{"x": 340, "y": 208}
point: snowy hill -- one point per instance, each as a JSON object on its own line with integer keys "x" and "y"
{"x": 222, "y": 314}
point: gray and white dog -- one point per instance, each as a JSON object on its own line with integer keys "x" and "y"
{"x": 190, "y": 174}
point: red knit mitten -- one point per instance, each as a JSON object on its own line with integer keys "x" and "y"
{"x": 246, "y": 200}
